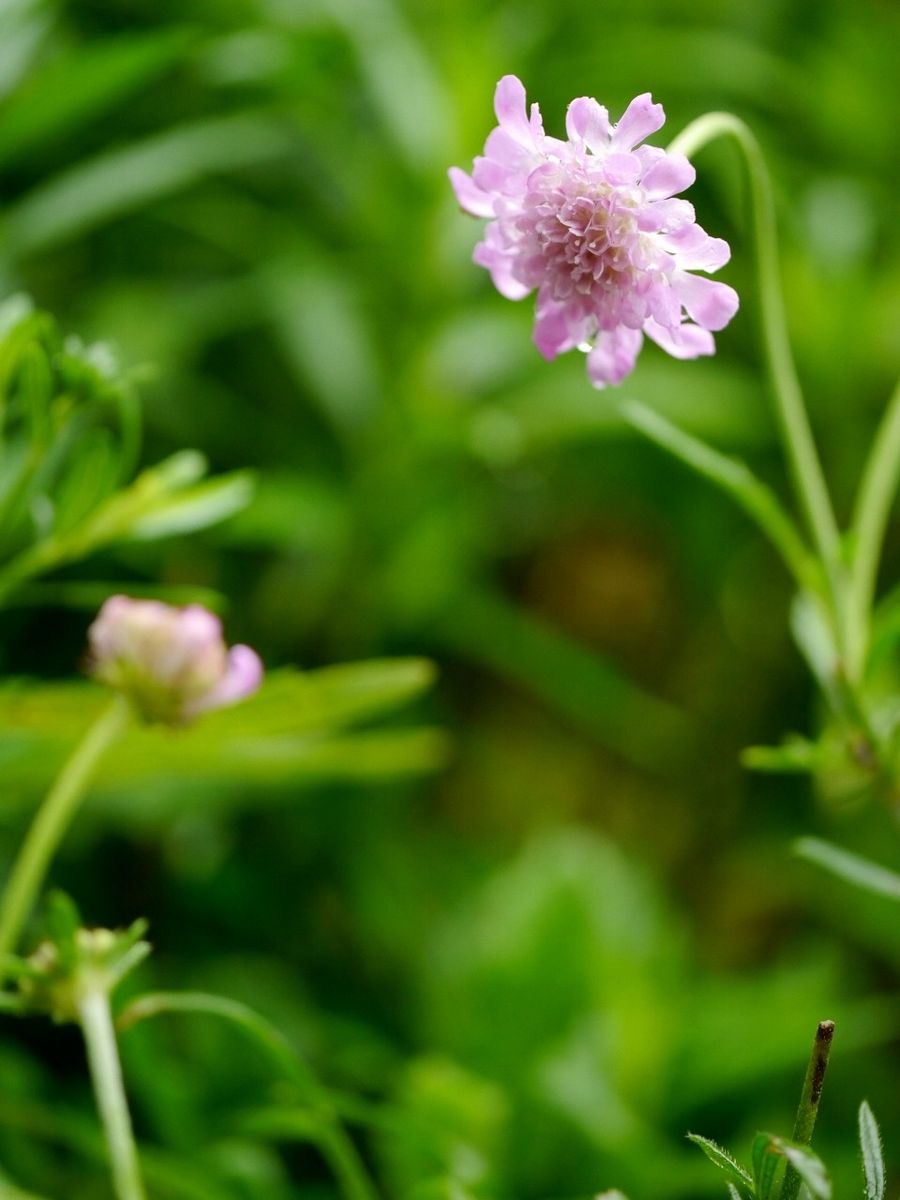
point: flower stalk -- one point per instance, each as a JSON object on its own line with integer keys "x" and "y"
{"x": 96, "y": 1023}
{"x": 806, "y": 467}
{"x": 52, "y": 821}
{"x": 876, "y": 493}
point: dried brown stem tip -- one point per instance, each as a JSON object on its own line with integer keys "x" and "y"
{"x": 809, "y": 1101}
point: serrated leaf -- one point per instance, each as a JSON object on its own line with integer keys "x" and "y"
{"x": 724, "y": 1161}
{"x": 870, "y": 1149}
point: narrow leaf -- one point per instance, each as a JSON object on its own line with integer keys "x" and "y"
{"x": 767, "y": 1159}
{"x": 732, "y": 1169}
{"x": 850, "y": 867}
{"x": 809, "y": 1167}
{"x": 870, "y": 1148}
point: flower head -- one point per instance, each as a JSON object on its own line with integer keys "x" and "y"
{"x": 594, "y": 226}
{"x": 172, "y": 663}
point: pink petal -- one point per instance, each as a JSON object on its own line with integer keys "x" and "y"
{"x": 665, "y": 215}
{"x": 710, "y": 303}
{"x": 242, "y": 677}
{"x": 502, "y": 147}
{"x": 613, "y": 355}
{"x": 500, "y": 266}
{"x": 588, "y": 122}
{"x": 469, "y": 194}
{"x": 509, "y": 105}
{"x": 695, "y": 250}
{"x": 682, "y": 341}
{"x": 622, "y": 169}
{"x": 553, "y": 332}
{"x": 641, "y": 118}
{"x": 667, "y": 176}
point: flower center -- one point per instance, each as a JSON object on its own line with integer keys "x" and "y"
{"x": 579, "y": 235}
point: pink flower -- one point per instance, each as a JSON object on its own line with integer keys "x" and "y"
{"x": 592, "y": 224}
{"x": 172, "y": 663}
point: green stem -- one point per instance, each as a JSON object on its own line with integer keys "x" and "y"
{"x": 809, "y": 1102}
{"x": 52, "y": 821}
{"x": 736, "y": 479}
{"x": 806, "y": 469}
{"x": 335, "y": 1144}
{"x": 870, "y": 516}
{"x": 106, "y": 1075}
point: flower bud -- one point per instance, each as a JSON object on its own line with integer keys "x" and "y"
{"x": 171, "y": 663}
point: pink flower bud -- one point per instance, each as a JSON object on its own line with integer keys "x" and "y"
{"x": 171, "y": 663}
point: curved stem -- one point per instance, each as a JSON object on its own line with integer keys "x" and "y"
{"x": 736, "y": 479}
{"x": 870, "y": 516}
{"x": 96, "y": 1023}
{"x": 806, "y": 469}
{"x": 332, "y": 1138}
{"x": 52, "y": 821}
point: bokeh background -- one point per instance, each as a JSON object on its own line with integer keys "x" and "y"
{"x": 543, "y": 964}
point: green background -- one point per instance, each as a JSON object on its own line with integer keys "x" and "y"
{"x": 587, "y": 935}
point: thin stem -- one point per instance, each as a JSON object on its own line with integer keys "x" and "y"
{"x": 806, "y": 469}
{"x": 809, "y": 1102}
{"x": 870, "y": 516}
{"x": 335, "y": 1144}
{"x": 735, "y": 478}
{"x": 52, "y": 821}
{"x": 106, "y": 1075}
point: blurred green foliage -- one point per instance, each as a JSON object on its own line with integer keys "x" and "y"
{"x": 536, "y": 971}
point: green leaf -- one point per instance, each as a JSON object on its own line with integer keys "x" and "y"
{"x": 809, "y": 1167}
{"x": 796, "y": 755}
{"x": 92, "y": 80}
{"x": 297, "y": 728}
{"x": 767, "y": 1159}
{"x": 115, "y": 183}
{"x": 732, "y": 1169}
{"x": 197, "y": 508}
{"x": 850, "y": 867}
{"x": 870, "y": 1149}
{"x": 814, "y": 638}
{"x": 769, "y": 1152}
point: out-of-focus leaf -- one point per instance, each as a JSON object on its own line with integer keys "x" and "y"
{"x": 641, "y": 727}
{"x": 23, "y": 27}
{"x": 92, "y": 79}
{"x": 121, "y": 180}
{"x": 816, "y": 643}
{"x": 796, "y": 755}
{"x": 90, "y": 596}
{"x": 850, "y": 867}
{"x": 196, "y": 508}
{"x": 294, "y": 729}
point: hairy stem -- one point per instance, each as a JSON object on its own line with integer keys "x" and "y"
{"x": 106, "y": 1075}
{"x": 52, "y": 821}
